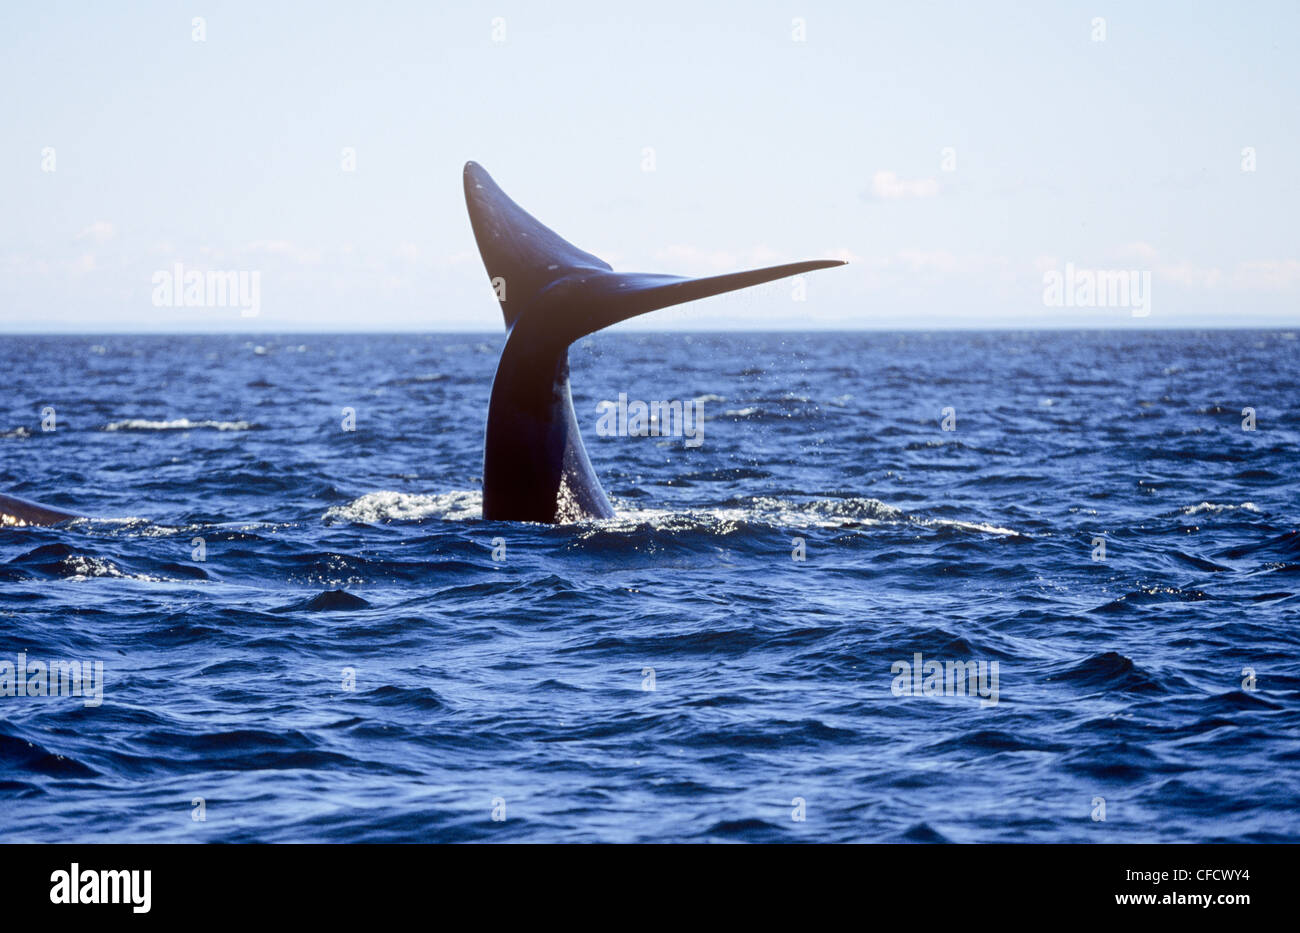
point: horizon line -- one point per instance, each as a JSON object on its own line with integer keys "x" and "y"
{"x": 703, "y": 330}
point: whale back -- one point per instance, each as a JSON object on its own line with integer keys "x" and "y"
{"x": 18, "y": 512}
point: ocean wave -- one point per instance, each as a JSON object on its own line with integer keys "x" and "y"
{"x": 80, "y": 567}
{"x": 354, "y": 652}
{"x": 418, "y": 379}
{"x": 979, "y": 527}
{"x": 760, "y": 512}
{"x": 179, "y": 424}
{"x": 1216, "y": 507}
{"x": 1110, "y": 671}
{"x": 374, "y": 507}
{"x": 83, "y": 567}
{"x": 329, "y": 601}
{"x": 772, "y": 513}
{"x": 765, "y": 511}
{"x": 1154, "y": 596}
{"x": 21, "y": 754}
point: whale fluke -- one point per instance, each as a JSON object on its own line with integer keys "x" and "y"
{"x": 551, "y": 294}
{"x": 15, "y": 511}
{"x": 537, "y": 266}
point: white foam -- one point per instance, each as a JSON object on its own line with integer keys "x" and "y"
{"x": 1217, "y": 507}
{"x": 780, "y": 513}
{"x": 85, "y": 568}
{"x": 467, "y": 505}
{"x": 970, "y": 526}
{"x": 459, "y": 505}
{"x": 179, "y": 424}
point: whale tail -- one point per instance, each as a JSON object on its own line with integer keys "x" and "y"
{"x": 533, "y": 268}
{"x": 535, "y": 467}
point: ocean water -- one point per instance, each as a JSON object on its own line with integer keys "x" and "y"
{"x": 309, "y": 633}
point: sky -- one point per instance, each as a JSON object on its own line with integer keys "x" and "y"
{"x": 958, "y": 155}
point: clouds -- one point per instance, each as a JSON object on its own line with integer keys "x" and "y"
{"x": 887, "y": 186}
{"x": 1251, "y": 274}
{"x": 1268, "y": 274}
{"x": 694, "y": 260}
{"x": 939, "y": 152}
{"x": 283, "y": 249}
{"x": 1189, "y": 275}
{"x": 1143, "y": 252}
{"x": 100, "y": 232}
{"x": 916, "y": 272}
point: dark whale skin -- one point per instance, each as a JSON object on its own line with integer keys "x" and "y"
{"x": 535, "y": 468}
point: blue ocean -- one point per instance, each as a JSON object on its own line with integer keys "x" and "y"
{"x": 909, "y": 587}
